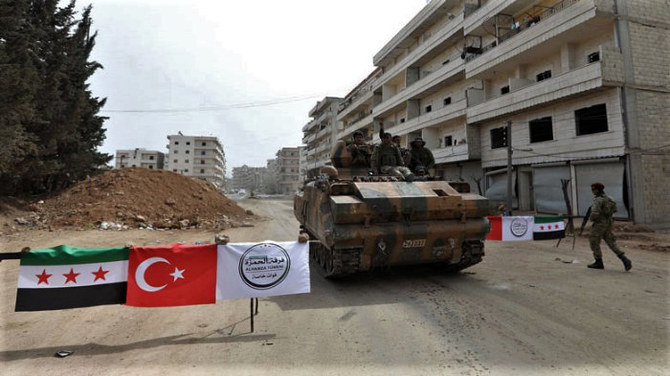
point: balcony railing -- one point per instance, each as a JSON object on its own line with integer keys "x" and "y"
{"x": 518, "y": 27}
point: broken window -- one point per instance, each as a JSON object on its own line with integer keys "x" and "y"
{"x": 541, "y": 129}
{"x": 498, "y": 138}
{"x": 591, "y": 120}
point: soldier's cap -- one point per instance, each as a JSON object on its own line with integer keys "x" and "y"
{"x": 419, "y": 139}
{"x": 358, "y": 133}
{"x": 598, "y": 186}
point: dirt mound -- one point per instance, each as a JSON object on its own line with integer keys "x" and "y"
{"x": 139, "y": 197}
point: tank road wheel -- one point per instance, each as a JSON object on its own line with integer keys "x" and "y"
{"x": 473, "y": 251}
{"x": 336, "y": 263}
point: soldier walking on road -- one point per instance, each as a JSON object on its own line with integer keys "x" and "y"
{"x": 602, "y": 210}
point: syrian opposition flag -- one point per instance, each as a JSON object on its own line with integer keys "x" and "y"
{"x": 511, "y": 228}
{"x": 71, "y": 277}
{"x": 548, "y": 227}
{"x": 172, "y": 275}
{"x": 254, "y": 270}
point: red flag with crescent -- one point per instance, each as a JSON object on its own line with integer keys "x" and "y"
{"x": 172, "y": 275}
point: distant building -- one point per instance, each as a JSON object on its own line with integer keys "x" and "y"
{"x": 150, "y": 159}
{"x": 288, "y": 170}
{"x": 320, "y": 133}
{"x": 197, "y": 156}
{"x": 248, "y": 178}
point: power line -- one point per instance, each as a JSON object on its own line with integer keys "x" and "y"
{"x": 220, "y": 107}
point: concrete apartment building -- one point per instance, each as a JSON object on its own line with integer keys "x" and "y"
{"x": 320, "y": 133}
{"x": 139, "y": 157}
{"x": 197, "y": 156}
{"x": 288, "y": 170}
{"x": 585, "y": 85}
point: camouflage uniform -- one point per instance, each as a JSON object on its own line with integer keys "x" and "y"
{"x": 421, "y": 157}
{"x": 602, "y": 227}
{"x": 388, "y": 160}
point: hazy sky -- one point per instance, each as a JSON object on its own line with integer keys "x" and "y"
{"x": 247, "y": 72}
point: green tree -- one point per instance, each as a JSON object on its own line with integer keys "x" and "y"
{"x": 50, "y": 125}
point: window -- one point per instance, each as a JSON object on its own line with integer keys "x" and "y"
{"x": 151, "y": 157}
{"x": 186, "y": 170}
{"x": 175, "y": 161}
{"x": 591, "y": 120}
{"x": 592, "y": 58}
{"x": 188, "y": 142}
{"x": 176, "y": 142}
{"x": 402, "y": 120}
{"x": 188, "y": 152}
{"x": 202, "y": 161}
{"x": 446, "y": 101}
{"x": 176, "y": 151}
{"x": 541, "y": 129}
{"x": 174, "y": 170}
{"x": 151, "y": 167}
{"x": 204, "y": 143}
{"x": 202, "y": 170}
{"x": 429, "y": 108}
{"x": 543, "y": 76}
{"x": 504, "y": 90}
{"x": 448, "y": 141}
{"x": 498, "y": 138}
{"x": 186, "y": 161}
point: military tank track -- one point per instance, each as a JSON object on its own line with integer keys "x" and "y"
{"x": 334, "y": 264}
{"x": 473, "y": 251}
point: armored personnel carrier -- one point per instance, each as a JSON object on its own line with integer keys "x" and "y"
{"x": 358, "y": 221}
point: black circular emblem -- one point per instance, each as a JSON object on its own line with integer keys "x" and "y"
{"x": 264, "y": 265}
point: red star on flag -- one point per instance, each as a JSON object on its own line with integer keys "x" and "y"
{"x": 71, "y": 276}
{"x": 44, "y": 277}
{"x": 100, "y": 274}
{"x": 541, "y": 227}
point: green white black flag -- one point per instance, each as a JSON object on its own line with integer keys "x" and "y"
{"x": 71, "y": 277}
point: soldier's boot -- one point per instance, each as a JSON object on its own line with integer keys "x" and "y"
{"x": 598, "y": 264}
{"x": 626, "y": 262}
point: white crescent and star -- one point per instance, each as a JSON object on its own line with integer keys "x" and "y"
{"x": 142, "y": 269}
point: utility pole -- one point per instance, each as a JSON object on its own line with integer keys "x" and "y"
{"x": 509, "y": 167}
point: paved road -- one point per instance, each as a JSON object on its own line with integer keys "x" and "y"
{"x": 520, "y": 312}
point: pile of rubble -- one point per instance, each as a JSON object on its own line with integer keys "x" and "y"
{"x": 136, "y": 198}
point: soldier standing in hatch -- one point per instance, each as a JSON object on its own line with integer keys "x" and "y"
{"x": 387, "y": 160}
{"x": 602, "y": 210}
{"x": 421, "y": 156}
{"x": 396, "y": 141}
{"x": 360, "y": 151}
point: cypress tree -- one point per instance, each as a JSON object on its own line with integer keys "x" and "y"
{"x": 53, "y": 130}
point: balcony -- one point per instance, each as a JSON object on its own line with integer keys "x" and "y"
{"x": 426, "y": 85}
{"x": 450, "y": 154}
{"x": 358, "y": 124}
{"x": 566, "y": 23}
{"x": 443, "y": 37}
{"x": 476, "y": 17}
{"x": 607, "y": 72}
{"x": 444, "y": 114}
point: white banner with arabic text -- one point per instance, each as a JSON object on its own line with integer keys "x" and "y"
{"x": 268, "y": 268}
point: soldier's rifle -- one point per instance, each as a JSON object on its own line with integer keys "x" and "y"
{"x": 584, "y": 221}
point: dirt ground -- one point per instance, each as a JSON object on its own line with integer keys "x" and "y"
{"x": 530, "y": 308}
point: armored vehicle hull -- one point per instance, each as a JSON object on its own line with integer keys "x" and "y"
{"x": 358, "y": 222}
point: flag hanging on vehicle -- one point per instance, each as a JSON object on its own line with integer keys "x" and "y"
{"x": 548, "y": 227}
{"x": 71, "y": 277}
{"x": 254, "y": 270}
{"x": 172, "y": 275}
{"x": 513, "y": 228}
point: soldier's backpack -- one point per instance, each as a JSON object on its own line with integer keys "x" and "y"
{"x": 609, "y": 206}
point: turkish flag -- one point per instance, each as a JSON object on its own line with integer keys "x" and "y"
{"x": 172, "y": 275}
